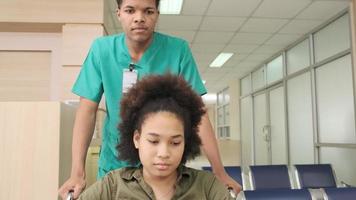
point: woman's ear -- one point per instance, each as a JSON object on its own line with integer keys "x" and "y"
{"x": 136, "y": 138}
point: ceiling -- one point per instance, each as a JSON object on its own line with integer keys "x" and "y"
{"x": 254, "y": 30}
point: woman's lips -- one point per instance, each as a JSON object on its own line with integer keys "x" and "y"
{"x": 162, "y": 166}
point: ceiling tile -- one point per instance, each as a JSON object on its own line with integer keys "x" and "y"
{"x": 249, "y": 64}
{"x": 228, "y": 69}
{"x": 250, "y": 38}
{"x": 257, "y": 57}
{"x": 213, "y": 74}
{"x": 300, "y": 26}
{"x": 242, "y": 72}
{"x": 207, "y": 48}
{"x": 283, "y": 39}
{"x": 263, "y": 25}
{"x": 213, "y": 37}
{"x": 268, "y": 49}
{"x": 240, "y": 48}
{"x": 246, "y": 66}
{"x": 204, "y": 57}
{"x": 214, "y": 70}
{"x": 178, "y": 22}
{"x": 230, "y": 76}
{"x": 221, "y": 23}
{"x": 186, "y": 35}
{"x": 202, "y": 66}
{"x": 323, "y": 10}
{"x": 272, "y": 8}
{"x": 241, "y": 8}
{"x": 194, "y": 7}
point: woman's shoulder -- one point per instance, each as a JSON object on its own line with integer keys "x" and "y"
{"x": 199, "y": 174}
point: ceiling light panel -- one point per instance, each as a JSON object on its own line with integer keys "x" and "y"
{"x": 170, "y": 7}
{"x": 221, "y": 59}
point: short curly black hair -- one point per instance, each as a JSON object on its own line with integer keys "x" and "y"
{"x": 119, "y": 2}
{"x": 155, "y": 93}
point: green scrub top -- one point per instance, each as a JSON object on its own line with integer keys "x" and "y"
{"x": 102, "y": 73}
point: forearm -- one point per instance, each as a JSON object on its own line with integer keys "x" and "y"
{"x": 210, "y": 146}
{"x": 211, "y": 150}
{"x": 82, "y": 135}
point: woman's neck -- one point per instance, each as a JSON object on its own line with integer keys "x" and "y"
{"x": 163, "y": 187}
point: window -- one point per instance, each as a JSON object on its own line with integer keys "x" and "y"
{"x": 275, "y": 70}
{"x": 223, "y": 114}
{"x": 332, "y": 39}
{"x": 258, "y": 79}
{"x": 246, "y": 85}
{"x": 298, "y": 57}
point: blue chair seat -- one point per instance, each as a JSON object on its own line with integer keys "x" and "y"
{"x": 270, "y": 177}
{"x": 315, "y": 176}
{"x": 278, "y": 194}
{"x": 340, "y": 193}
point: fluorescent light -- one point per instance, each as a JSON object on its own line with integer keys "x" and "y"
{"x": 170, "y": 7}
{"x": 221, "y": 59}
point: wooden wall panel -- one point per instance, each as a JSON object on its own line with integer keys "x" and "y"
{"x": 68, "y": 77}
{"x": 77, "y": 39}
{"x": 24, "y": 75}
{"x": 34, "y": 136}
{"x": 52, "y": 11}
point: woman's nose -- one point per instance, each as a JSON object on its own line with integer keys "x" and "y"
{"x": 163, "y": 151}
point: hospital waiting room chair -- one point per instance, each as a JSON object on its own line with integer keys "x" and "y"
{"x": 348, "y": 193}
{"x": 269, "y": 177}
{"x": 315, "y": 176}
{"x": 276, "y": 194}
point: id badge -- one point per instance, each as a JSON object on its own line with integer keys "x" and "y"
{"x": 129, "y": 79}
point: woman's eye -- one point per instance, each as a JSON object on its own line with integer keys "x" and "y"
{"x": 153, "y": 141}
{"x": 176, "y": 143}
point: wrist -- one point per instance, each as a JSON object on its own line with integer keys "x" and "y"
{"x": 220, "y": 172}
{"x": 79, "y": 173}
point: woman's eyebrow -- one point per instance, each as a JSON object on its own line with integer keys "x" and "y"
{"x": 177, "y": 136}
{"x": 153, "y": 134}
{"x": 157, "y": 135}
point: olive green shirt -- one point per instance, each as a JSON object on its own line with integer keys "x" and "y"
{"x": 128, "y": 183}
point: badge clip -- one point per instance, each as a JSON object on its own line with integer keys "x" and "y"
{"x": 131, "y": 67}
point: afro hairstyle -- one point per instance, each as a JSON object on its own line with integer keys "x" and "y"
{"x": 156, "y": 93}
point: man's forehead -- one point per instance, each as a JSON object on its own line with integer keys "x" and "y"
{"x": 139, "y": 3}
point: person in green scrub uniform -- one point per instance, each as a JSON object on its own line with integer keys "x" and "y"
{"x": 112, "y": 65}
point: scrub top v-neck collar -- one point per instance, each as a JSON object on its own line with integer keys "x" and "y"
{"x": 147, "y": 55}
